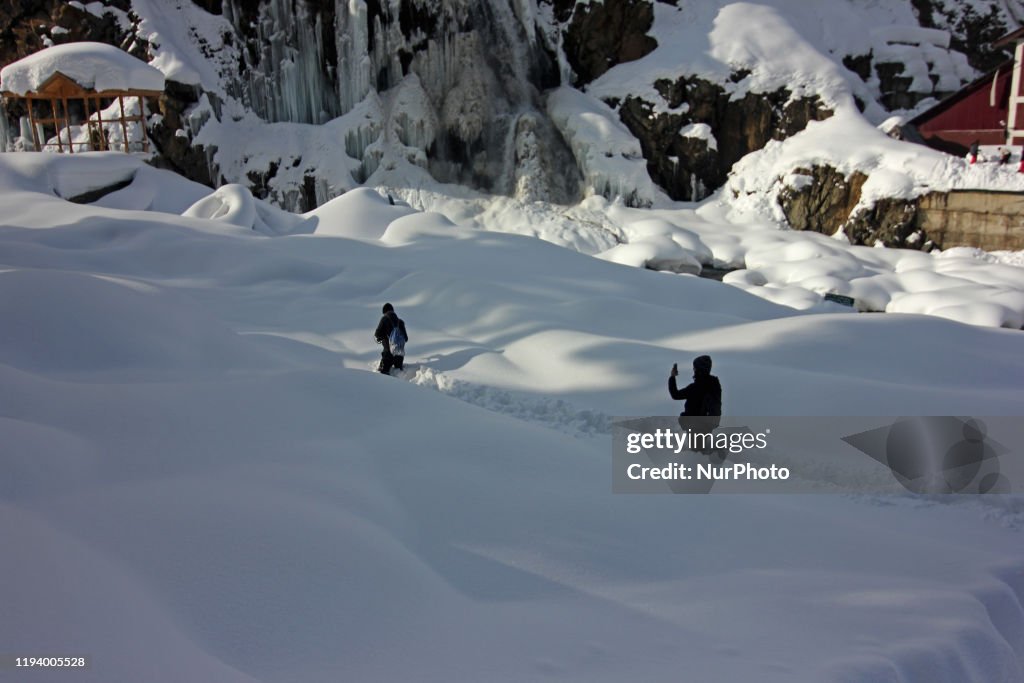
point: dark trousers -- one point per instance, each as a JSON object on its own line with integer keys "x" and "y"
{"x": 388, "y": 361}
{"x": 704, "y": 425}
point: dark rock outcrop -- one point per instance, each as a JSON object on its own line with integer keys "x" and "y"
{"x": 826, "y": 202}
{"x": 893, "y": 81}
{"x": 972, "y": 32}
{"x": 600, "y": 35}
{"x": 175, "y": 150}
{"x": 685, "y": 166}
{"x": 24, "y": 25}
{"x": 895, "y": 87}
{"x": 890, "y": 222}
{"x": 859, "y": 64}
{"x": 972, "y": 29}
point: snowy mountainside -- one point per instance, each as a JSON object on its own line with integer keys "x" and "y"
{"x": 555, "y": 120}
{"x": 199, "y": 462}
{"x": 459, "y": 92}
{"x": 766, "y": 72}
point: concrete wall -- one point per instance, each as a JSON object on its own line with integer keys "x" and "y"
{"x": 973, "y": 218}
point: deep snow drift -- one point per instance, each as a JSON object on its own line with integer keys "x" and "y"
{"x": 203, "y": 480}
{"x": 792, "y": 268}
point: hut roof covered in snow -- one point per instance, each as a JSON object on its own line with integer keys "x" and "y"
{"x": 94, "y": 66}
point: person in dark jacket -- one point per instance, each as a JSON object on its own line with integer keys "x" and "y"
{"x": 703, "y": 408}
{"x": 973, "y": 151}
{"x": 387, "y": 323}
{"x": 701, "y": 395}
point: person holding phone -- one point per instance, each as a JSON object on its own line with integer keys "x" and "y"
{"x": 703, "y": 395}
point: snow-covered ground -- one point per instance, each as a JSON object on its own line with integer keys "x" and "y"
{"x": 204, "y": 480}
{"x": 792, "y": 268}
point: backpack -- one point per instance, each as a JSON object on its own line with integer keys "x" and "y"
{"x": 396, "y": 340}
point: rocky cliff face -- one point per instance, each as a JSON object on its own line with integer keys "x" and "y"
{"x": 973, "y": 28}
{"x": 689, "y": 150}
{"x": 828, "y": 201}
{"x": 690, "y": 166}
{"x": 177, "y": 152}
{"x": 597, "y": 36}
{"x": 27, "y": 27}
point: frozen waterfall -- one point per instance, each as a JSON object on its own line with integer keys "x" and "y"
{"x": 460, "y": 84}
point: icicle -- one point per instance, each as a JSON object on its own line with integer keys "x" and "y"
{"x": 413, "y": 115}
{"x": 466, "y": 82}
{"x": 6, "y": 143}
{"x": 353, "y": 47}
{"x": 287, "y": 80}
{"x": 26, "y": 133}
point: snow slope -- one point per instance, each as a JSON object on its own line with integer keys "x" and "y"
{"x": 781, "y": 44}
{"x": 204, "y": 481}
{"x": 795, "y": 45}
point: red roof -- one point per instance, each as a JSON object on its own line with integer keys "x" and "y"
{"x": 1011, "y": 37}
{"x": 985, "y": 82}
{"x": 976, "y": 112}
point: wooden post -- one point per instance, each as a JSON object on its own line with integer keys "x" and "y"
{"x": 88, "y": 124}
{"x": 53, "y": 110}
{"x": 67, "y": 123}
{"x": 142, "y": 122}
{"x": 32, "y": 122}
{"x": 104, "y": 144}
{"x": 124, "y": 124}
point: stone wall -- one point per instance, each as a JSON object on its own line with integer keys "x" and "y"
{"x": 974, "y": 218}
{"x": 828, "y": 200}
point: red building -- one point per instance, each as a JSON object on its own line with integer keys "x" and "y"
{"x": 990, "y": 110}
{"x": 1015, "y": 122}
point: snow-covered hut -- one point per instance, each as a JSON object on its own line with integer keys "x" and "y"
{"x": 80, "y": 96}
